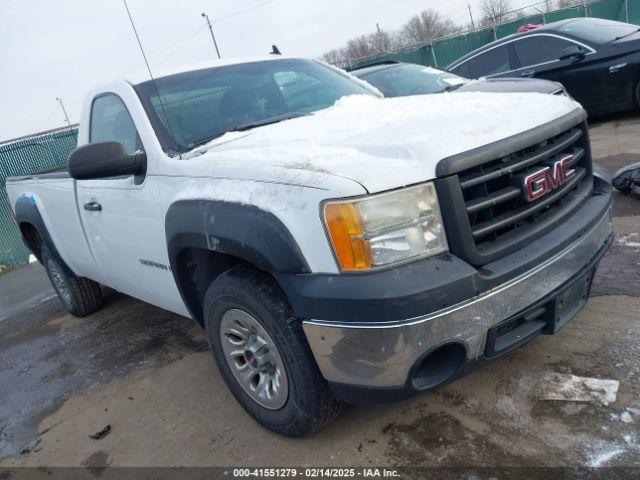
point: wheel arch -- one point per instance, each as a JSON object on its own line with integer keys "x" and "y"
{"x": 207, "y": 237}
{"x": 34, "y": 231}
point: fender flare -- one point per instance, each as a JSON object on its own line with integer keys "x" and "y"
{"x": 26, "y": 211}
{"x": 243, "y": 231}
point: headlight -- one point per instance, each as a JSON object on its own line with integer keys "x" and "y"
{"x": 386, "y": 228}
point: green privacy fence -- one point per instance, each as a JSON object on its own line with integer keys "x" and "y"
{"x": 33, "y": 154}
{"x": 443, "y": 52}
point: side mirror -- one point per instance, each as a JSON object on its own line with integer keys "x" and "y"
{"x": 105, "y": 159}
{"x": 573, "y": 51}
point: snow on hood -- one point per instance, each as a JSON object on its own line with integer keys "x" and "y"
{"x": 385, "y": 143}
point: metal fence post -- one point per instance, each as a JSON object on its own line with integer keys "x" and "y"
{"x": 626, "y": 10}
{"x": 433, "y": 54}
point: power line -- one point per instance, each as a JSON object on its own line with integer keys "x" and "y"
{"x": 181, "y": 45}
{"x": 253, "y": 7}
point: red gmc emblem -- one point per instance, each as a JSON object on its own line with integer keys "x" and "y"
{"x": 547, "y": 179}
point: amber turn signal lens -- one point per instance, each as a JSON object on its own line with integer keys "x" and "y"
{"x": 346, "y": 230}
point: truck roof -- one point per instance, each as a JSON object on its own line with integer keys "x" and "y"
{"x": 143, "y": 75}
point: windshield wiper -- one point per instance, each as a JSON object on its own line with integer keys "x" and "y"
{"x": 248, "y": 126}
{"x": 204, "y": 140}
{"x": 451, "y": 88}
{"x": 624, "y": 36}
{"x": 267, "y": 121}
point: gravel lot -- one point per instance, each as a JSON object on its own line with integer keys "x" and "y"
{"x": 149, "y": 375}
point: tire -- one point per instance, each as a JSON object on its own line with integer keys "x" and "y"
{"x": 80, "y": 296}
{"x": 243, "y": 295}
{"x": 637, "y": 95}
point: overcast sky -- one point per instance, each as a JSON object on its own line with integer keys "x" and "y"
{"x": 62, "y": 48}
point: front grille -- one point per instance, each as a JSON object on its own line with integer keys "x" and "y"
{"x": 497, "y": 218}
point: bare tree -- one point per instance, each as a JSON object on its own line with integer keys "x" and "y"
{"x": 495, "y": 12}
{"x": 426, "y": 26}
{"x": 337, "y": 56}
{"x": 359, "y": 47}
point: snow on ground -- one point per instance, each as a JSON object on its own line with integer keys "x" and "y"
{"x": 602, "y": 458}
{"x": 567, "y": 387}
{"x": 632, "y": 240}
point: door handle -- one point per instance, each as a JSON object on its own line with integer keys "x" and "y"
{"x": 93, "y": 207}
{"x": 618, "y": 67}
{"x": 528, "y": 73}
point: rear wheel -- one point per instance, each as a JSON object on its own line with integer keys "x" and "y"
{"x": 263, "y": 355}
{"x": 80, "y": 296}
{"x": 638, "y": 95}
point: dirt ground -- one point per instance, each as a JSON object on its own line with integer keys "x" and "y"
{"x": 149, "y": 375}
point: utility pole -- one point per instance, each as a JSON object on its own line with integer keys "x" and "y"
{"x": 473, "y": 24}
{"x": 215, "y": 44}
{"x": 63, "y": 110}
{"x": 544, "y": 17}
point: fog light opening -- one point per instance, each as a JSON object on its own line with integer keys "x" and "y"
{"x": 440, "y": 365}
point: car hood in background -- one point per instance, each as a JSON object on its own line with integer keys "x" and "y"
{"x": 382, "y": 143}
{"x": 511, "y": 85}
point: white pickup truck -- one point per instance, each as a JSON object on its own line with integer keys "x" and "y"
{"x": 336, "y": 246}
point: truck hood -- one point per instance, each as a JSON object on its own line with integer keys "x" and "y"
{"x": 386, "y": 143}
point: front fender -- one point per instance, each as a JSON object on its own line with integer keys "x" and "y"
{"x": 242, "y": 231}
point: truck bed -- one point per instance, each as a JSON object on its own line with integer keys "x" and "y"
{"x": 48, "y": 174}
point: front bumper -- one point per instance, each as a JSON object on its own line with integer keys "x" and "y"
{"x": 380, "y": 355}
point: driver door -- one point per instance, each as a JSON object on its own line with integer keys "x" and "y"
{"x": 122, "y": 215}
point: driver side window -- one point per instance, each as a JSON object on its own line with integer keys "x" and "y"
{"x": 541, "y": 49}
{"x": 111, "y": 122}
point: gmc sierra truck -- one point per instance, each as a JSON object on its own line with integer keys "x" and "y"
{"x": 336, "y": 246}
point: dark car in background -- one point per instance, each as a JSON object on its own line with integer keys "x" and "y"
{"x": 396, "y": 79}
{"x": 598, "y": 61}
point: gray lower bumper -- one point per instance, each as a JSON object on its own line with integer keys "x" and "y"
{"x": 382, "y": 354}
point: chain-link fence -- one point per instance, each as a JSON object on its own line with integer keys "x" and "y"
{"x": 444, "y": 51}
{"x": 37, "y": 153}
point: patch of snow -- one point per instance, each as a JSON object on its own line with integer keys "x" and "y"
{"x": 385, "y": 143}
{"x": 625, "y": 240}
{"x": 598, "y": 459}
{"x": 32, "y": 259}
{"x": 454, "y": 81}
{"x": 629, "y": 440}
{"x": 626, "y": 417}
{"x": 570, "y": 388}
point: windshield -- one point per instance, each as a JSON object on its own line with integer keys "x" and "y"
{"x": 598, "y": 31}
{"x": 201, "y": 105}
{"x": 410, "y": 79}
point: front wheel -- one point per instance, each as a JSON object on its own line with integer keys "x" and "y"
{"x": 263, "y": 355}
